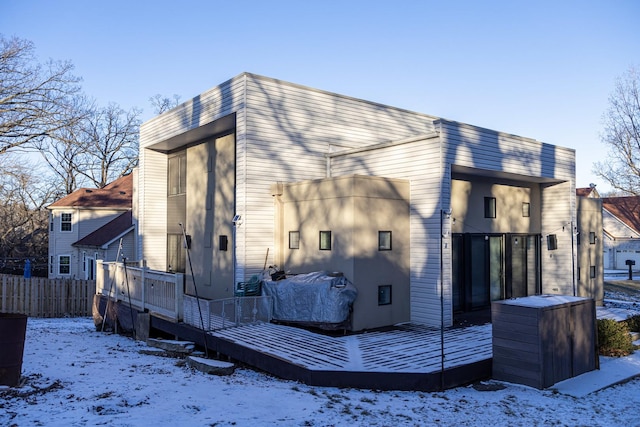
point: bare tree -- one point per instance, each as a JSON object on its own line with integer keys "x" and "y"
{"x": 34, "y": 98}
{"x": 161, "y": 103}
{"x": 111, "y": 138}
{"x": 621, "y": 169}
{"x": 94, "y": 151}
{"x": 23, "y": 217}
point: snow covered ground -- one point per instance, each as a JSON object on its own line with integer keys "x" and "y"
{"x": 75, "y": 376}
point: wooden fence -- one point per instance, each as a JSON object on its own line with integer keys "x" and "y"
{"x": 42, "y": 297}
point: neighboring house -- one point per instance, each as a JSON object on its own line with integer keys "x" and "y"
{"x": 621, "y": 221}
{"x": 87, "y": 225}
{"x": 428, "y": 217}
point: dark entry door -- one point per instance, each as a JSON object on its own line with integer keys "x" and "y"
{"x": 477, "y": 270}
{"x": 487, "y": 268}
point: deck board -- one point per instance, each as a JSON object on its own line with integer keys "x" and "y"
{"x": 405, "y": 349}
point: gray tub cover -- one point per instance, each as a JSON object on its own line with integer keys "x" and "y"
{"x": 317, "y": 298}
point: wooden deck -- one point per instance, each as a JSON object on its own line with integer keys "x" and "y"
{"x": 405, "y": 349}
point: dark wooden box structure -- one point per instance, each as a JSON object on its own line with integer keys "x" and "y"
{"x": 544, "y": 339}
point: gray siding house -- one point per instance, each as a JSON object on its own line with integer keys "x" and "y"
{"x": 87, "y": 225}
{"x": 489, "y": 216}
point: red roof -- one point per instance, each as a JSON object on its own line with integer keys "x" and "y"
{"x": 626, "y": 209}
{"x": 117, "y": 194}
{"x": 107, "y": 232}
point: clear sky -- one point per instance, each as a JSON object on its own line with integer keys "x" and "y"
{"x": 541, "y": 69}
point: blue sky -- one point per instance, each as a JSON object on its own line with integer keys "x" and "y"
{"x": 539, "y": 69}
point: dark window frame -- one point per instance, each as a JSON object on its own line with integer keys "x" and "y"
{"x": 321, "y": 240}
{"x": 381, "y": 245}
{"x": 490, "y": 210}
{"x": 294, "y": 243}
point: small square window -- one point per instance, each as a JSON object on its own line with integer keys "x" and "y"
{"x": 325, "y": 240}
{"x": 552, "y": 242}
{"x": 592, "y": 238}
{"x": 489, "y": 207}
{"x": 526, "y": 210}
{"x": 384, "y": 240}
{"x": 294, "y": 240}
{"x": 384, "y": 295}
{"x": 592, "y": 271}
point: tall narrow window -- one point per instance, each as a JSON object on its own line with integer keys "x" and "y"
{"x": 177, "y": 175}
{"x": 592, "y": 238}
{"x": 592, "y": 271}
{"x": 384, "y": 240}
{"x": 489, "y": 207}
{"x": 176, "y": 255}
{"x": 65, "y": 222}
{"x": 294, "y": 240}
{"x": 64, "y": 264}
{"x": 325, "y": 240}
{"x": 526, "y": 210}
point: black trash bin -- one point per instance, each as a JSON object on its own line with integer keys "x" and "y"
{"x": 13, "y": 328}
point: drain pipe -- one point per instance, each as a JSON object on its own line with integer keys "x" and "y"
{"x": 442, "y": 214}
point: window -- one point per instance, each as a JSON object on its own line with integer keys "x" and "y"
{"x": 64, "y": 264}
{"x": 176, "y": 257}
{"x": 578, "y": 238}
{"x": 592, "y": 271}
{"x": 177, "y": 175}
{"x": 489, "y": 207}
{"x": 51, "y": 221}
{"x": 384, "y": 295}
{"x": 51, "y": 264}
{"x": 325, "y": 240}
{"x": 552, "y": 242}
{"x": 65, "y": 222}
{"x": 526, "y": 210}
{"x": 592, "y": 238}
{"x": 384, "y": 240}
{"x": 294, "y": 240}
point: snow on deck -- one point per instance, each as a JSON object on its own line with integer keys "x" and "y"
{"x": 407, "y": 348}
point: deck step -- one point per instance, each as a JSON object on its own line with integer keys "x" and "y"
{"x": 210, "y": 366}
{"x": 172, "y": 346}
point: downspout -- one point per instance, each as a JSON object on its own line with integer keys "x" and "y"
{"x": 442, "y": 213}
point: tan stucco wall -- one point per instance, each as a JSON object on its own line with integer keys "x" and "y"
{"x": 590, "y": 220}
{"x": 467, "y": 206}
{"x": 354, "y": 209}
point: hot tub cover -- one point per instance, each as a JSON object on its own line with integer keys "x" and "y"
{"x": 314, "y": 298}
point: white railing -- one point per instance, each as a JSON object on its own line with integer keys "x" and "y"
{"x": 227, "y": 312}
{"x": 146, "y": 289}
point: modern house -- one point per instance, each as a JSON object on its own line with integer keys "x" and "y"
{"x": 88, "y": 225}
{"x": 427, "y": 217}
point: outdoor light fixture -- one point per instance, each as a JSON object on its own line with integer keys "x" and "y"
{"x": 237, "y": 219}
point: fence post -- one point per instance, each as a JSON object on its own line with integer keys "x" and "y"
{"x": 179, "y": 280}
{"x": 143, "y": 284}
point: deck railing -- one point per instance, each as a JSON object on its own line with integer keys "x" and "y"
{"x": 146, "y": 289}
{"x": 227, "y": 312}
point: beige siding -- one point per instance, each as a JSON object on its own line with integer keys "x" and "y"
{"x": 289, "y": 129}
{"x": 419, "y": 162}
{"x": 469, "y": 147}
